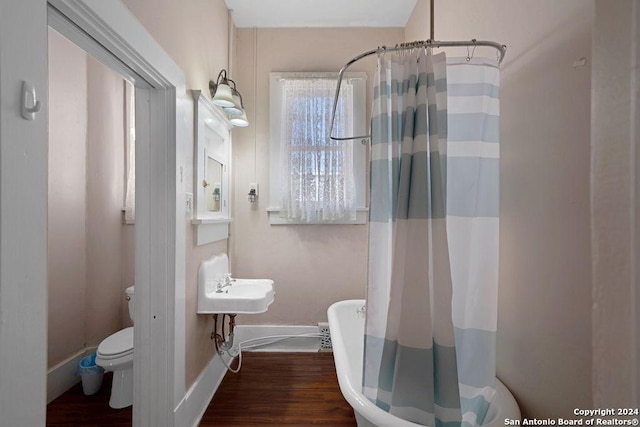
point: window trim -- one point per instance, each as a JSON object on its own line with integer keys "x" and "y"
{"x": 359, "y": 149}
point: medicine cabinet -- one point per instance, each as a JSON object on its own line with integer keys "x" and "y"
{"x": 212, "y": 164}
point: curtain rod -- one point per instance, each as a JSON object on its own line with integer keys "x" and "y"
{"x": 316, "y": 75}
{"x": 501, "y": 48}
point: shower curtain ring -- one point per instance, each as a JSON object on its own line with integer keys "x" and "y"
{"x": 473, "y": 51}
{"x": 469, "y": 56}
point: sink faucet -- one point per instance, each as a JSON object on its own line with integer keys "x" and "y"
{"x": 223, "y": 283}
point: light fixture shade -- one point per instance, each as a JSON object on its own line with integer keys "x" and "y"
{"x": 223, "y": 96}
{"x": 240, "y": 120}
{"x": 236, "y": 109}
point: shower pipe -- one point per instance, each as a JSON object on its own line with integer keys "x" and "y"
{"x": 501, "y": 51}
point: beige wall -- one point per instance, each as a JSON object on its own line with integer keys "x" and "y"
{"x": 195, "y": 34}
{"x": 86, "y": 184}
{"x": 614, "y": 144}
{"x": 67, "y": 240}
{"x": 544, "y": 319}
{"x": 312, "y": 265}
{"x": 105, "y": 194}
{"x": 544, "y": 342}
{"x": 417, "y": 27}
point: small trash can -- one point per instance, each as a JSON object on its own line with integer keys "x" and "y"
{"x": 91, "y": 374}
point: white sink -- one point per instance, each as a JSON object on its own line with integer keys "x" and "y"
{"x": 239, "y": 296}
{"x": 243, "y": 296}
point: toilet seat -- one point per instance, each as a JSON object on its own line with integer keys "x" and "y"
{"x": 117, "y": 345}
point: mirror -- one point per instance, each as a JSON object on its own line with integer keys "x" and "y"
{"x": 212, "y": 161}
{"x": 213, "y": 184}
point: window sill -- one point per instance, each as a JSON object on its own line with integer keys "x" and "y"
{"x": 209, "y": 230}
{"x": 275, "y": 219}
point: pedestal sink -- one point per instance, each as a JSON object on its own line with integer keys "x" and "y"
{"x": 218, "y": 293}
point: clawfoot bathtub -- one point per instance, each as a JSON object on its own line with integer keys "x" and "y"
{"x": 346, "y": 323}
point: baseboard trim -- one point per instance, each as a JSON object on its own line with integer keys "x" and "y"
{"x": 191, "y": 408}
{"x": 306, "y": 344}
{"x": 62, "y": 376}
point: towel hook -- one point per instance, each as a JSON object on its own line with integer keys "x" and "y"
{"x": 29, "y": 102}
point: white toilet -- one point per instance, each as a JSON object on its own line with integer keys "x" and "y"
{"x": 115, "y": 353}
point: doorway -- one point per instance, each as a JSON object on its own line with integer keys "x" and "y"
{"x": 111, "y": 34}
{"x": 159, "y": 270}
{"x": 90, "y": 241}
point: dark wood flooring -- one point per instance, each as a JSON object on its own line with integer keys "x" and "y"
{"x": 73, "y": 408}
{"x": 274, "y": 389}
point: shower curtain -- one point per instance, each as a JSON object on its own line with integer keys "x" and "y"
{"x": 433, "y": 245}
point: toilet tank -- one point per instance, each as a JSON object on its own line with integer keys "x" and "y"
{"x": 131, "y": 305}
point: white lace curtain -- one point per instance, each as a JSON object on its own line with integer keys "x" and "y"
{"x": 317, "y": 172}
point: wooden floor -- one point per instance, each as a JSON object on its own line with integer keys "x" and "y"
{"x": 73, "y": 408}
{"x": 276, "y": 389}
{"x": 271, "y": 389}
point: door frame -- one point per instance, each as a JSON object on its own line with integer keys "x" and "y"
{"x": 23, "y": 215}
{"x": 162, "y": 134}
{"x": 159, "y": 230}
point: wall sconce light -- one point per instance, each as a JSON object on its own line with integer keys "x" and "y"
{"x": 221, "y": 91}
{"x": 236, "y": 108}
{"x": 228, "y": 97}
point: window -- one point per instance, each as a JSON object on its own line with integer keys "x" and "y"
{"x": 314, "y": 179}
{"x": 130, "y": 154}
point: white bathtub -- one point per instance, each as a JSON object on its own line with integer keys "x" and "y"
{"x": 346, "y": 323}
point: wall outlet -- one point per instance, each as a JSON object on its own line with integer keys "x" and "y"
{"x": 325, "y": 336}
{"x": 253, "y": 186}
{"x": 253, "y": 192}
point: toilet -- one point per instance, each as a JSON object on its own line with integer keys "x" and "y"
{"x": 115, "y": 353}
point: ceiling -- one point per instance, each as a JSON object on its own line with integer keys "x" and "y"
{"x": 320, "y": 13}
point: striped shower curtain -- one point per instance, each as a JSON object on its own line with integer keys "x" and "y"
{"x": 433, "y": 246}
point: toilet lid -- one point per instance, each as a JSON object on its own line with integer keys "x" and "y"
{"x": 118, "y": 343}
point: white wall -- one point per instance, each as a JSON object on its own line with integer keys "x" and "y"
{"x": 544, "y": 317}
{"x": 23, "y": 220}
{"x": 615, "y": 201}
